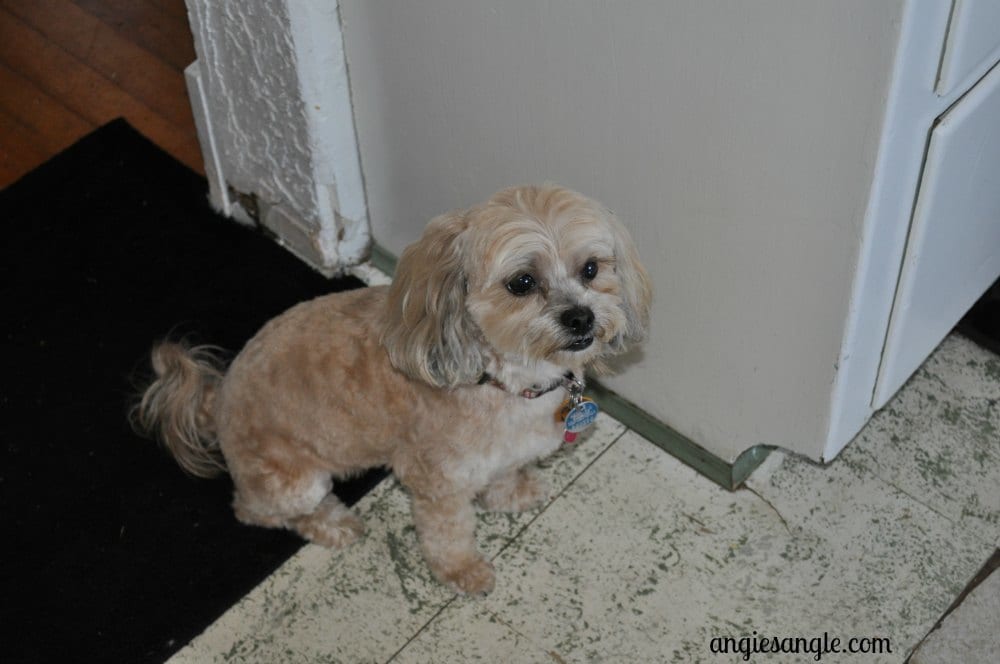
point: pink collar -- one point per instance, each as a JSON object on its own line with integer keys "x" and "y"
{"x": 487, "y": 379}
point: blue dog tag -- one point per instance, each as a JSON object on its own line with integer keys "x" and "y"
{"x": 581, "y": 416}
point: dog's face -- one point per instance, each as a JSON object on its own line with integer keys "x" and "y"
{"x": 535, "y": 274}
{"x": 547, "y": 279}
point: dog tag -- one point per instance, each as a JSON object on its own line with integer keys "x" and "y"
{"x": 578, "y": 417}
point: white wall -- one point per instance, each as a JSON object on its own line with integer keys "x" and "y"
{"x": 736, "y": 139}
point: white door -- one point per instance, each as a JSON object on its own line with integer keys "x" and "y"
{"x": 953, "y": 251}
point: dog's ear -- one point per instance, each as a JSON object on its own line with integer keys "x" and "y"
{"x": 636, "y": 290}
{"x": 429, "y": 333}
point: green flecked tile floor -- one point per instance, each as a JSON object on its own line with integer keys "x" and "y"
{"x": 639, "y": 559}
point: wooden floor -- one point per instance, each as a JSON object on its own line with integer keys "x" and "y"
{"x": 69, "y": 66}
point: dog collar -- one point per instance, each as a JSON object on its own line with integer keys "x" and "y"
{"x": 566, "y": 382}
{"x": 577, "y": 412}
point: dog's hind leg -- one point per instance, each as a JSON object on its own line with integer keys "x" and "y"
{"x": 303, "y": 503}
{"x": 331, "y": 524}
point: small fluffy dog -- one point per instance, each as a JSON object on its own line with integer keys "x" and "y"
{"x": 452, "y": 377}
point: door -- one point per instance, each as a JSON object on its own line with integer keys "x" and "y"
{"x": 953, "y": 251}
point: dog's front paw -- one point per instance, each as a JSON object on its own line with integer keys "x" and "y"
{"x": 474, "y": 577}
{"x": 517, "y": 492}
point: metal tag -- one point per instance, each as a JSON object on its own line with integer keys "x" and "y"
{"x": 582, "y": 416}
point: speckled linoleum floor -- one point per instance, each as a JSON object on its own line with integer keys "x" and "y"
{"x": 639, "y": 559}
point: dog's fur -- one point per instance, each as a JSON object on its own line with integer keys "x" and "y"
{"x": 392, "y": 377}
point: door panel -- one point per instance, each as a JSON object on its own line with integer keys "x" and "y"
{"x": 953, "y": 252}
{"x": 973, "y": 43}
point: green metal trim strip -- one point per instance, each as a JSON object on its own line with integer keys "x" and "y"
{"x": 728, "y": 475}
{"x": 382, "y": 259}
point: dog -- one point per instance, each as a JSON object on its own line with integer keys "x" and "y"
{"x": 452, "y": 377}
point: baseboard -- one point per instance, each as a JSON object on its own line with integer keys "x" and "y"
{"x": 382, "y": 259}
{"x": 728, "y": 475}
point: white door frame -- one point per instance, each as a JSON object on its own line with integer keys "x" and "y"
{"x": 272, "y": 105}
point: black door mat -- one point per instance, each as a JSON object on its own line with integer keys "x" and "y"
{"x": 110, "y": 553}
{"x": 982, "y": 323}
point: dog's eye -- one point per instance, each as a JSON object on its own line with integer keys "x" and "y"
{"x": 589, "y": 270}
{"x": 520, "y": 285}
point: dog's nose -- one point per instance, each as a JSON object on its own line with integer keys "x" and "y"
{"x": 579, "y": 320}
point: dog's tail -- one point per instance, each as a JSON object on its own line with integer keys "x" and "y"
{"x": 177, "y": 407}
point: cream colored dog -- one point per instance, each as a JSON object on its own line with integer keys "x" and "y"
{"x": 452, "y": 377}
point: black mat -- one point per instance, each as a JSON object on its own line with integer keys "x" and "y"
{"x": 110, "y": 553}
{"x": 982, "y": 322}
